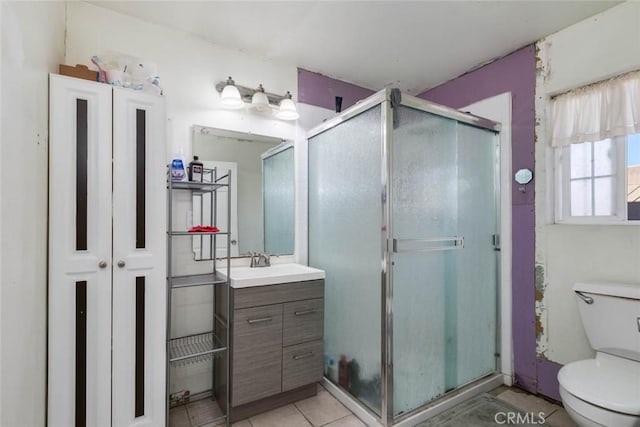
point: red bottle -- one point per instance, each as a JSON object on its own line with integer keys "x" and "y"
{"x": 343, "y": 372}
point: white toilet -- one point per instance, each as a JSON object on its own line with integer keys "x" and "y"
{"x": 605, "y": 391}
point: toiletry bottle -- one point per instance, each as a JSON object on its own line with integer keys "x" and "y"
{"x": 195, "y": 170}
{"x": 331, "y": 370}
{"x": 353, "y": 376}
{"x": 343, "y": 373}
{"x": 178, "y": 172}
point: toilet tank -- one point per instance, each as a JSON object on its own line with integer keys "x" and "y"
{"x": 612, "y": 319}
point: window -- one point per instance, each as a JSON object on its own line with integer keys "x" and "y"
{"x": 599, "y": 181}
{"x": 633, "y": 177}
{"x": 595, "y": 135}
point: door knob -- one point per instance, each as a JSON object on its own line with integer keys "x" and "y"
{"x": 102, "y": 264}
{"x": 121, "y": 264}
{"x": 234, "y": 241}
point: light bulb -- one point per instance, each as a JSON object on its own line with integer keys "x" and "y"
{"x": 259, "y": 101}
{"x": 230, "y": 96}
{"x": 287, "y": 109}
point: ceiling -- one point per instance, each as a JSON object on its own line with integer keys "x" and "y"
{"x": 413, "y": 45}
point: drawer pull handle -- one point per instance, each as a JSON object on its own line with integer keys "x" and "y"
{"x": 302, "y": 313}
{"x": 262, "y": 319}
{"x": 302, "y": 356}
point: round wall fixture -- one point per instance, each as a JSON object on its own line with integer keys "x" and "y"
{"x": 523, "y": 176}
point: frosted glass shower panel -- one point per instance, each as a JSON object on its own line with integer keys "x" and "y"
{"x": 444, "y": 272}
{"x": 477, "y": 276}
{"x": 278, "y": 193}
{"x": 345, "y": 217}
{"x": 424, "y": 204}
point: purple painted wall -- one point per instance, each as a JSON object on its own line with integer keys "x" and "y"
{"x": 515, "y": 73}
{"x": 548, "y": 378}
{"x": 319, "y": 90}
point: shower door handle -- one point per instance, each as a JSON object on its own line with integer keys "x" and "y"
{"x": 428, "y": 245}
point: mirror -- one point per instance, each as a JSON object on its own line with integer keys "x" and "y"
{"x": 278, "y": 199}
{"x": 262, "y": 187}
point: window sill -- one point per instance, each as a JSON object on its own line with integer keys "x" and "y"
{"x": 600, "y": 222}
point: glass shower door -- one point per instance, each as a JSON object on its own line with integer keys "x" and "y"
{"x": 444, "y": 262}
{"x": 345, "y": 216}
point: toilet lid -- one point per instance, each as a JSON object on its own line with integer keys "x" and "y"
{"x": 609, "y": 382}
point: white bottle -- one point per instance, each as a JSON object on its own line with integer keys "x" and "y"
{"x": 178, "y": 171}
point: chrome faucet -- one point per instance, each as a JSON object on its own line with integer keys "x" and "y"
{"x": 259, "y": 259}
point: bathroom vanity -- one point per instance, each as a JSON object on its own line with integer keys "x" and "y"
{"x": 276, "y": 317}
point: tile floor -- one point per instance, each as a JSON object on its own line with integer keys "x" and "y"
{"x": 323, "y": 410}
{"x": 198, "y": 413}
{"x": 554, "y": 414}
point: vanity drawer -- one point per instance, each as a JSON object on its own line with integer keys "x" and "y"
{"x": 257, "y": 353}
{"x": 301, "y": 365}
{"x": 303, "y": 321}
{"x": 277, "y": 294}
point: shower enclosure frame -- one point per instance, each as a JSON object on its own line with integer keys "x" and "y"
{"x": 384, "y": 99}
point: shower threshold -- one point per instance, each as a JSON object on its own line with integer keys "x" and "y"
{"x": 422, "y": 413}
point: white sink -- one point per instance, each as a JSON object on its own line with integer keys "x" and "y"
{"x": 242, "y": 277}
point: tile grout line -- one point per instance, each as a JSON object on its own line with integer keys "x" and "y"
{"x": 186, "y": 411}
{"x": 321, "y": 425}
{"x": 555, "y": 407}
{"x": 302, "y": 413}
{"x": 338, "y": 419}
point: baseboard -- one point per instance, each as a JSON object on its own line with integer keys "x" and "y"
{"x": 247, "y": 410}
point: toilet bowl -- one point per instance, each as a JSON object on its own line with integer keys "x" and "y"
{"x": 605, "y": 391}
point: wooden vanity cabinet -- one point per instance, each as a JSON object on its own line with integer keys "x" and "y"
{"x": 276, "y": 345}
{"x": 257, "y": 353}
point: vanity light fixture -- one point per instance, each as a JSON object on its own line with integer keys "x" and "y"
{"x": 230, "y": 95}
{"x": 234, "y": 96}
{"x": 288, "y": 110}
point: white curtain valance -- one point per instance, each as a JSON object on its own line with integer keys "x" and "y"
{"x": 595, "y": 112}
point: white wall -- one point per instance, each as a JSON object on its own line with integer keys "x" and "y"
{"x": 597, "y": 48}
{"x": 32, "y": 46}
{"x": 189, "y": 68}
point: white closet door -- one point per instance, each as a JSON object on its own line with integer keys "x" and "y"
{"x": 79, "y": 386}
{"x": 139, "y": 258}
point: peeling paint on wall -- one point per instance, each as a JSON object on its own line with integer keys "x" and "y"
{"x": 539, "y": 282}
{"x": 541, "y": 312}
{"x": 543, "y": 68}
{"x": 544, "y": 196}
